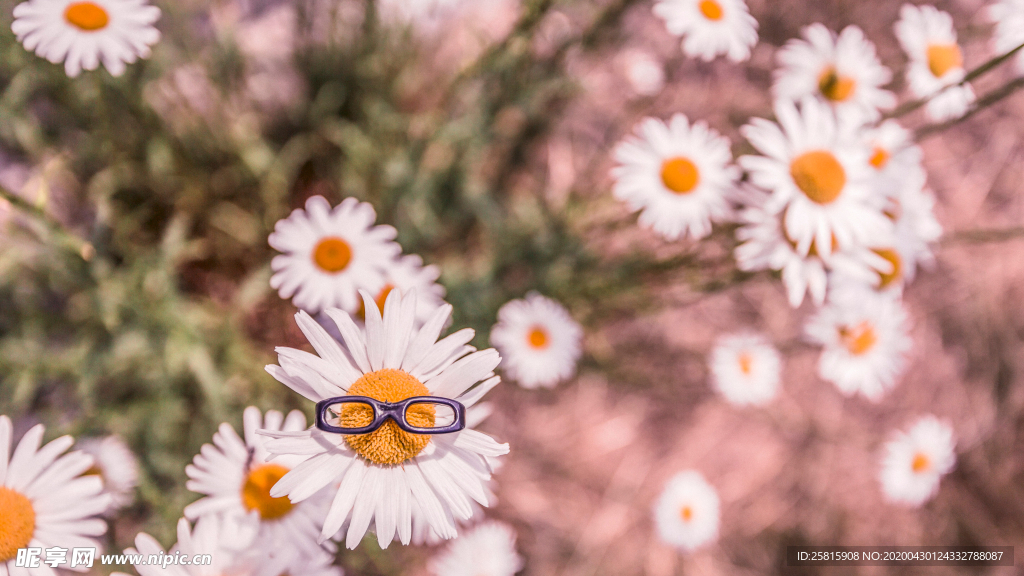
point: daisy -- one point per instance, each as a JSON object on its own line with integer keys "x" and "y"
{"x": 894, "y": 157}
{"x": 85, "y": 33}
{"x": 745, "y": 369}
{"x": 116, "y": 465}
{"x": 45, "y": 499}
{"x": 1009, "y": 18}
{"x": 687, "y": 513}
{"x": 866, "y": 339}
{"x": 539, "y": 341}
{"x": 842, "y": 71}
{"x": 389, "y": 475}
{"x": 408, "y": 273}
{"x": 710, "y": 28}
{"x": 817, "y": 171}
{"x": 936, "y": 61}
{"x": 487, "y": 550}
{"x": 646, "y": 75}
{"x": 223, "y": 541}
{"x": 678, "y": 174}
{"x": 915, "y": 461}
{"x": 330, "y": 254}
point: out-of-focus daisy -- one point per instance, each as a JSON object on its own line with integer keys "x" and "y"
{"x": 235, "y": 476}
{"x": 915, "y": 461}
{"x": 746, "y": 369}
{"x": 687, "y": 513}
{"x": 936, "y": 61}
{"x": 894, "y": 157}
{"x": 408, "y": 273}
{"x": 330, "y": 254}
{"x": 85, "y": 33}
{"x": 388, "y": 475}
{"x": 817, "y": 171}
{"x": 44, "y": 498}
{"x": 538, "y": 340}
{"x": 221, "y": 538}
{"x": 866, "y": 338}
{"x": 1009, "y": 18}
{"x": 842, "y": 71}
{"x": 646, "y": 75}
{"x": 116, "y": 465}
{"x": 288, "y": 561}
{"x": 710, "y": 28}
{"x": 678, "y": 175}
{"x": 487, "y": 550}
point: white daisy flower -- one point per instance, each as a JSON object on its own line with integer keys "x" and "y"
{"x": 538, "y": 340}
{"x": 678, "y": 175}
{"x": 915, "y": 461}
{"x": 866, "y": 337}
{"x": 85, "y": 33}
{"x": 817, "y": 171}
{"x": 1008, "y": 16}
{"x": 288, "y": 561}
{"x": 487, "y": 550}
{"x": 389, "y": 475}
{"x": 330, "y": 254}
{"x": 894, "y": 158}
{"x": 116, "y": 465}
{"x": 646, "y": 75}
{"x": 710, "y": 28}
{"x": 223, "y": 540}
{"x": 936, "y": 61}
{"x": 407, "y": 273}
{"x": 45, "y": 499}
{"x": 687, "y": 513}
{"x": 842, "y": 71}
{"x": 235, "y": 475}
{"x": 746, "y": 369}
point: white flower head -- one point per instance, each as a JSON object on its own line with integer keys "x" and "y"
{"x": 222, "y": 542}
{"x": 645, "y": 73}
{"x": 388, "y": 476}
{"x": 687, "y": 514}
{"x": 331, "y": 254}
{"x": 746, "y": 369}
{"x": 45, "y": 499}
{"x": 914, "y": 461}
{"x": 407, "y": 273}
{"x": 538, "y": 340}
{"x": 710, "y": 28}
{"x": 487, "y": 550}
{"x": 894, "y": 158}
{"x": 116, "y": 465}
{"x": 83, "y": 34}
{"x": 842, "y": 71}
{"x": 1009, "y": 18}
{"x": 936, "y": 60}
{"x": 679, "y": 175}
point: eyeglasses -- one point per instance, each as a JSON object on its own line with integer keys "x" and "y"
{"x": 450, "y": 415}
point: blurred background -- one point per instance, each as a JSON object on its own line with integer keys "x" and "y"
{"x": 134, "y": 265}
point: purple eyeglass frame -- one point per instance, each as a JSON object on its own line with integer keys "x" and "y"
{"x": 383, "y": 411}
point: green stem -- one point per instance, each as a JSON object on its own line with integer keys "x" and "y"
{"x": 81, "y": 247}
{"x": 981, "y": 236}
{"x": 979, "y": 105}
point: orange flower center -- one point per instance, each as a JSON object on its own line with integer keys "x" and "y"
{"x": 893, "y": 257}
{"x": 858, "y": 339}
{"x": 332, "y": 255}
{"x": 711, "y": 10}
{"x": 17, "y": 523}
{"x": 389, "y": 444}
{"x": 921, "y": 463}
{"x": 686, "y": 513}
{"x": 87, "y": 16}
{"x": 538, "y": 337}
{"x": 680, "y": 175}
{"x": 256, "y": 492}
{"x": 380, "y": 299}
{"x": 835, "y": 87}
{"x": 746, "y": 363}
{"x": 944, "y": 57}
{"x": 879, "y": 158}
{"x": 818, "y": 175}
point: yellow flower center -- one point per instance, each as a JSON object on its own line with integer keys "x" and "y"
{"x": 835, "y": 87}
{"x": 380, "y": 299}
{"x": 746, "y": 363}
{"x": 17, "y": 523}
{"x": 858, "y": 339}
{"x": 332, "y": 255}
{"x": 879, "y": 158}
{"x": 944, "y": 57}
{"x": 389, "y": 444}
{"x": 893, "y": 257}
{"x": 256, "y": 492}
{"x": 87, "y": 16}
{"x": 818, "y": 175}
{"x": 538, "y": 337}
{"x": 921, "y": 463}
{"x": 680, "y": 175}
{"x": 711, "y": 10}
{"x": 686, "y": 513}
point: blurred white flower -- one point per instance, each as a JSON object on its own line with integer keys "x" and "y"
{"x": 331, "y": 254}
{"x": 710, "y": 27}
{"x": 116, "y": 465}
{"x": 388, "y": 476}
{"x": 914, "y": 462}
{"x": 746, "y": 369}
{"x": 936, "y": 61}
{"x": 1008, "y": 16}
{"x": 894, "y": 159}
{"x": 538, "y": 340}
{"x": 84, "y": 33}
{"x": 679, "y": 175}
{"x": 842, "y": 71}
{"x": 487, "y": 550}
{"x": 45, "y": 499}
{"x": 408, "y": 274}
{"x": 687, "y": 514}
{"x": 220, "y": 537}
{"x": 646, "y": 75}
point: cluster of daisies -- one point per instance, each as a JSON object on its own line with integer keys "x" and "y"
{"x": 835, "y": 201}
